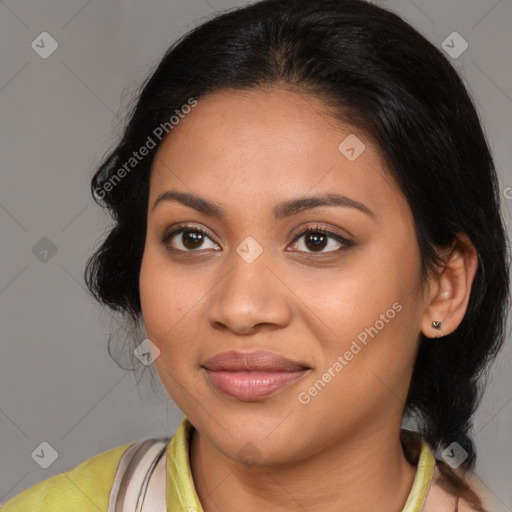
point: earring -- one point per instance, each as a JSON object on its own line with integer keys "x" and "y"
{"x": 437, "y": 325}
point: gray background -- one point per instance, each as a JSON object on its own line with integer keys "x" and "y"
{"x": 58, "y": 117}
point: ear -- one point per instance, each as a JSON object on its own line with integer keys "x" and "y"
{"x": 450, "y": 288}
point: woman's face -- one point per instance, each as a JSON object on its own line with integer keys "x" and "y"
{"x": 349, "y": 311}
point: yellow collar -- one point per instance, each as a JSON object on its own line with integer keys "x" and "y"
{"x": 181, "y": 494}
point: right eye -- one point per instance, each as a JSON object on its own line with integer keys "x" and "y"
{"x": 191, "y": 240}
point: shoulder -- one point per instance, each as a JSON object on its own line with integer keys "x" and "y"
{"x": 86, "y": 487}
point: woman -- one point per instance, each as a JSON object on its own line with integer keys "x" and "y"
{"x": 308, "y": 225}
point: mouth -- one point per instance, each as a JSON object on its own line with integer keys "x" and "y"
{"x": 251, "y": 376}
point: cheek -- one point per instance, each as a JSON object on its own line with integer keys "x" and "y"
{"x": 162, "y": 302}
{"x": 171, "y": 309}
{"x": 373, "y": 317}
{"x": 354, "y": 297}
{"x": 152, "y": 298}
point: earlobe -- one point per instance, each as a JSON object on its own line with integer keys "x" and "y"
{"x": 450, "y": 289}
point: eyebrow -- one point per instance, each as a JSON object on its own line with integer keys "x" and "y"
{"x": 280, "y": 211}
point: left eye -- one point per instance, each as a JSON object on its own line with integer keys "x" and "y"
{"x": 318, "y": 239}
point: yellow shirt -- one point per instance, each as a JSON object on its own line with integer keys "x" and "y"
{"x": 86, "y": 488}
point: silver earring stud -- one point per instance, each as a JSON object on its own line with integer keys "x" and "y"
{"x": 436, "y": 324}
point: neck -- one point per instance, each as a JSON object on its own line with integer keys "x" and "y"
{"x": 363, "y": 473}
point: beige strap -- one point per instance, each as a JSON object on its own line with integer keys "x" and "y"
{"x": 154, "y": 499}
{"x": 133, "y": 475}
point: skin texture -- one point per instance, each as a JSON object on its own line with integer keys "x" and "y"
{"x": 248, "y": 151}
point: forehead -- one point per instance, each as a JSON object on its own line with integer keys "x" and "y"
{"x": 262, "y": 143}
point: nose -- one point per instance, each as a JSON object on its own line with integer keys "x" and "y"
{"x": 249, "y": 297}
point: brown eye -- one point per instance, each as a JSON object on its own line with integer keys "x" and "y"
{"x": 317, "y": 239}
{"x": 188, "y": 239}
{"x": 192, "y": 239}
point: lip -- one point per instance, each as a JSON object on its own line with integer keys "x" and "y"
{"x": 251, "y": 362}
{"x": 250, "y": 376}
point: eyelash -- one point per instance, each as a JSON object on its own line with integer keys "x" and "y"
{"x": 313, "y": 229}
